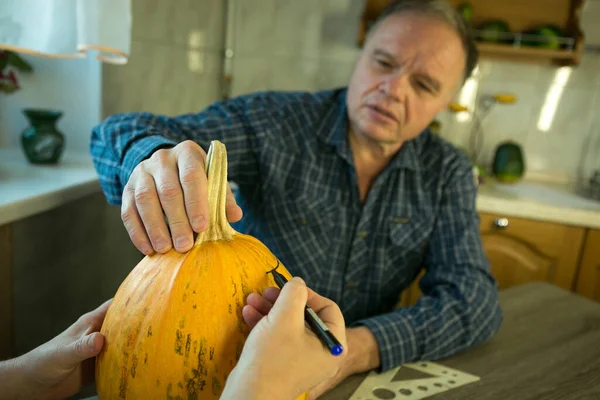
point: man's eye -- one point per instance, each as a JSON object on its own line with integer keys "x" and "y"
{"x": 424, "y": 86}
{"x": 384, "y": 64}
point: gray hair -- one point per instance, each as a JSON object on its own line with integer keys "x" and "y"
{"x": 442, "y": 10}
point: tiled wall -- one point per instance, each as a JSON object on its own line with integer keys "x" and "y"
{"x": 293, "y": 45}
{"x": 310, "y": 45}
{"x": 176, "y": 59}
{"x": 552, "y": 145}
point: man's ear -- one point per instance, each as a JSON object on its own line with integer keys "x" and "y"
{"x": 452, "y": 98}
{"x": 444, "y": 106}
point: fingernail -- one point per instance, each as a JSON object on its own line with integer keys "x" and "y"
{"x": 146, "y": 249}
{"x": 299, "y": 280}
{"x": 161, "y": 245}
{"x": 90, "y": 342}
{"x": 182, "y": 243}
{"x": 199, "y": 223}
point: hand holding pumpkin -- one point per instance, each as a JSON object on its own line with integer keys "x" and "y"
{"x": 61, "y": 367}
{"x": 282, "y": 358}
{"x": 174, "y": 181}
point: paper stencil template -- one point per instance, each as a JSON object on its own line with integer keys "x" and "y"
{"x": 412, "y": 381}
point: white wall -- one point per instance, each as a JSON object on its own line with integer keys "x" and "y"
{"x": 72, "y": 86}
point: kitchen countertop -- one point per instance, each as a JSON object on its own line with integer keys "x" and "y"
{"x": 27, "y": 189}
{"x": 541, "y": 201}
{"x": 547, "y": 348}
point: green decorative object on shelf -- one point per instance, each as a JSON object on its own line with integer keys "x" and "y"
{"x": 466, "y": 10}
{"x": 548, "y": 36}
{"x": 41, "y": 141}
{"x": 495, "y": 32}
{"x": 509, "y": 162}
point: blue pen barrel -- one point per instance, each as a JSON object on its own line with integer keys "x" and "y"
{"x": 323, "y": 332}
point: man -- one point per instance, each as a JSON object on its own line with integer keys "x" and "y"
{"x": 61, "y": 367}
{"x": 347, "y": 187}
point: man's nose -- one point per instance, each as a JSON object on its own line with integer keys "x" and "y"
{"x": 395, "y": 85}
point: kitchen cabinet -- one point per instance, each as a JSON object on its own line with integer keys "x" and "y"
{"x": 588, "y": 280}
{"x": 523, "y": 250}
{"x": 520, "y": 16}
{"x": 57, "y": 265}
{"x": 6, "y": 338}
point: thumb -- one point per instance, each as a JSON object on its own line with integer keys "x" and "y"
{"x": 289, "y": 306}
{"x": 234, "y": 212}
{"x": 83, "y": 348}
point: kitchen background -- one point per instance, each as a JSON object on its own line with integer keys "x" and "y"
{"x": 176, "y": 67}
{"x": 78, "y": 254}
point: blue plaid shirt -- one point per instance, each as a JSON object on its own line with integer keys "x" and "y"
{"x": 288, "y": 152}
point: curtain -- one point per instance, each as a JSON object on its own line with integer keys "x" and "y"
{"x": 67, "y": 28}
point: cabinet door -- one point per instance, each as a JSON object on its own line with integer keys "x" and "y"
{"x": 588, "y": 281}
{"x": 6, "y": 330}
{"x": 522, "y": 250}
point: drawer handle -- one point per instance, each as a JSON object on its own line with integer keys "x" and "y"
{"x": 501, "y": 223}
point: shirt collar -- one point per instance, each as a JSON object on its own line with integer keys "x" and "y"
{"x": 409, "y": 155}
{"x": 334, "y": 124}
{"x": 333, "y": 130}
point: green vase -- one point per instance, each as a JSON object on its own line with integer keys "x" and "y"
{"x": 41, "y": 141}
{"x": 509, "y": 162}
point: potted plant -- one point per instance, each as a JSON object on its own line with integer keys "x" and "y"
{"x": 10, "y": 64}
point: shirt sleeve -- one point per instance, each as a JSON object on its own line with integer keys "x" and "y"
{"x": 122, "y": 141}
{"x": 459, "y": 307}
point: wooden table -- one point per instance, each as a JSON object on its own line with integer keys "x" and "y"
{"x": 547, "y": 348}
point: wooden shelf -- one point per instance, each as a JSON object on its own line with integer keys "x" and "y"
{"x": 520, "y": 15}
{"x": 530, "y": 54}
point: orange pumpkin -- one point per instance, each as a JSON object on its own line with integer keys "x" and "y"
{"x": 175, "y": 326}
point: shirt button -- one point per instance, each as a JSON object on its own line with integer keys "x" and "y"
{"x": 351, "y": 285}
{"x": 362, "y": 234}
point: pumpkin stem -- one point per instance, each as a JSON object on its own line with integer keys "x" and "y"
{"x": 216, "y": 169}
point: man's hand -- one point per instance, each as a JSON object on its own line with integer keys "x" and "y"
{"x": 363, "y": 355}
{"x": 63, "y": 366}
{"x": 280, "y": 341}
{"x": 172, "y": 181}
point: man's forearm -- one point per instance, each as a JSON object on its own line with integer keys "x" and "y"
{"x": 122, "y": 141}
{"x": 442, "y": 323}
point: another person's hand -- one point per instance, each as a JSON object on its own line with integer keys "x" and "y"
{"x": 172, "y": 181}
{"x": 61, "y": 367}
{"x": 354, "y": 362}
{"x": 282, "y": 358}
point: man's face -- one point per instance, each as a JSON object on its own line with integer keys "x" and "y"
{"x": 409, "y": 70}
